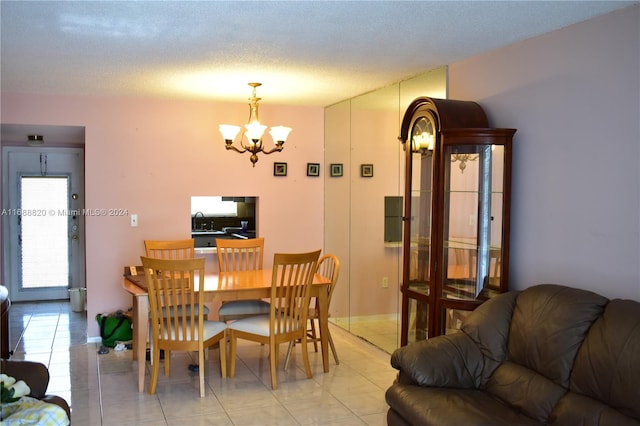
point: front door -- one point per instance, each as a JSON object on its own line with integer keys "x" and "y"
{"x": 43, "y": 224}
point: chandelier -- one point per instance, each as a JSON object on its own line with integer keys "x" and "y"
{"x": 253, "y": 132}
{"x": 463, "y": 158}
{"x": 423, "y": 142}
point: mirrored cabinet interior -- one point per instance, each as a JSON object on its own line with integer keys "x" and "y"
{"x": 455, "y": 252}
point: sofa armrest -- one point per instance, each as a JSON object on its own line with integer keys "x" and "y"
{"x": 59, "y": 401}
{"x": 34, "y": 374}
{"x": 453, "y": 361}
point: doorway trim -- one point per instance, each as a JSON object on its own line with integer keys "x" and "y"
{"x": 10, "y": 243}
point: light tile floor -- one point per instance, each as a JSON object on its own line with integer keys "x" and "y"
{"x": 102, "y": 389}
{"x": 382, "y": 331}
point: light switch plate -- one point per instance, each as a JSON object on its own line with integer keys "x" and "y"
{"x": 134, "y": 220}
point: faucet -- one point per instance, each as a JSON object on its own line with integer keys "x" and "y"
{"x": 193, "y": 223}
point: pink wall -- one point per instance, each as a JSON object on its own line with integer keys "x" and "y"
{"x": 574, "y": 96}
{"x": 374, "y": 141}
{"x": 150, "y": 155}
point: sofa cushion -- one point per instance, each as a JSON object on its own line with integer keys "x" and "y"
{"x": 488, "y": 327}
{"x": 526, "y": 390}
{"x": 445, "y": 406}
{"x": 548, "y": 326}
{"x": 575, "y": 409}
{"x": 607, "y": 367}
{"x": 450, "y": 361}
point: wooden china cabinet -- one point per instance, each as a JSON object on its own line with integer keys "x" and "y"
{"x": 456, "y": 214}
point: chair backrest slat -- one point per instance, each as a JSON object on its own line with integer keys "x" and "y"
{"x": 173, "y": 249}
{"x": 291, "y": 289}
{"x": 177, "y": 312}
{"x": 240, "y": 255}
{"x": 329, "y": 268}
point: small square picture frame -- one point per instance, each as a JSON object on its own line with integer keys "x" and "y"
{"x": 313, "y": 169}
{"x": 366, "y": 170}
{"x": 335, "y": 169}
{"x": 279, "y": 169}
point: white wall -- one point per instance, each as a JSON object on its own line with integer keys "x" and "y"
{"x": 574, "y": 96}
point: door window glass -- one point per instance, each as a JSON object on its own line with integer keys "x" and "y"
{"x": 44, "y": 232}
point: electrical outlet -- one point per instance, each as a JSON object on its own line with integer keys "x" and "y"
{"x": 385, "y": 282}
{"x": 134, "y": 220}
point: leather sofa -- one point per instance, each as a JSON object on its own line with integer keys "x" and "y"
{"x": 548, "y": 355}
{"x": 36, "y": 376}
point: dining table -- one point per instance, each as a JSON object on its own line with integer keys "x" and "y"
{"x": 218, "y": 287}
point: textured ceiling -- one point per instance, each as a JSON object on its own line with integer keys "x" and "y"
{"x": 304, "y": 53}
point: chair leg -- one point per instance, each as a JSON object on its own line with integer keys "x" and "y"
{"x": 232, "y": 353}
{"x": 223, "y": 356}
{"x": 286, "y": 359}
{"x": 333, "y": 349}
{"x": 314, "y": 336}
{"x": 155, "y": 367}
{"x": 315, "y": 344}
{"x": 305, "y": 357}
{"x": 167, "y": 363}
{"x": 201, "y": 369}
{"x": 273, "y": 362}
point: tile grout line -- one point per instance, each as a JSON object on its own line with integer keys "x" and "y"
{"x": 99, "y": 387}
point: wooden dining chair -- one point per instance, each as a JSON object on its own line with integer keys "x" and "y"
{"x": 241, "y": 255}
{"x": 171, "y": 249}
{"x": 173, "y": 286}
{"x": 290, "y": 293}
{"x": 329, "y": 268}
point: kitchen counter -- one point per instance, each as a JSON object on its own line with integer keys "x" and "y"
{"x": 207, "y": 239}
{"x": 205, "y": 250}
{"x": 214, "y": 232}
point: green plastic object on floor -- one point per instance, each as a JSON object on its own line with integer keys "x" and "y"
{"x": 114, "y": 328}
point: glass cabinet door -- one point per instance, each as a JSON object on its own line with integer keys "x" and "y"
{"x": 418, "y": 288}
{"x": 472, "y": 224}
{"x": 474, "y": 220}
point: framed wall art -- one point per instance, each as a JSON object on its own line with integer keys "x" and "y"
{"x": 313, "y": 169}
{"x": 279, "y": 169}
{"x": 335, "y": 169}
{"x": 366, "y": 170}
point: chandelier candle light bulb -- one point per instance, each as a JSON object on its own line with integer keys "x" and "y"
{"x": 423, "y": 141}
{"x": 253, "y": 131}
